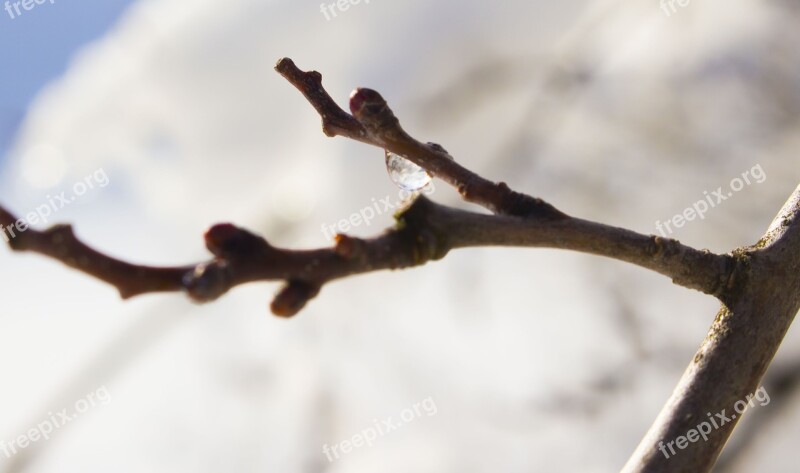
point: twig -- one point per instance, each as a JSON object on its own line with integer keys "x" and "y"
{"x": 732, "y": 360}
{"x": 373, "y": 122}
{"x": 425, "y": 231}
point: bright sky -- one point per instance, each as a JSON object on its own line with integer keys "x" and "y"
{"x": 36, "y": 48}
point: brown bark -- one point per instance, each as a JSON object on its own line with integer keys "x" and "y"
{"x": 759, "y": 286}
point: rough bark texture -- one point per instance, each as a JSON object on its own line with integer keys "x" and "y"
{"x": 733, "y": 358}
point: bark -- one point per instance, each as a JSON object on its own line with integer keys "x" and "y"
{"x": 759, "y": 286}
{"x": 734, "y": 356}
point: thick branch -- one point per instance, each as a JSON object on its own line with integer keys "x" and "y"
{"x": 700, "y": 270}
{"x": 732, "y": 360}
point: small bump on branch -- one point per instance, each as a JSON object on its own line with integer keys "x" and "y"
{"x": 425, "y": 231}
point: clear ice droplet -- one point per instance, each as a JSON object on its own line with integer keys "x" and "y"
{"x": 405, "y": 174}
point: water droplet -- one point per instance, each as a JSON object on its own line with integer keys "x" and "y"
{"x": 405, "y": 174}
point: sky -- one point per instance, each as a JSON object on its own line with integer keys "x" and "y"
{"x": 36, "y": 48}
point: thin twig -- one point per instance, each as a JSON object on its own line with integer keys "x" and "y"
{"x": 373, "y": 122}
{"x": 425, "y": 230}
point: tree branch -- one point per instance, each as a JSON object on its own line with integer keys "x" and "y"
{"x": 425, "y": 231}
{"x": 733, "y": 358}
{"x": 374, "y": 123}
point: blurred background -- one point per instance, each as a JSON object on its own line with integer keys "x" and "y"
{"x": 533, "y": 360}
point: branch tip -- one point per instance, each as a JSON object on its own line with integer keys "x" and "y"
{"x": 292, "y": 297}
{"x": 230, "y": 242}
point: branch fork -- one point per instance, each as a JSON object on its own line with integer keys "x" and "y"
{"x": 425, "y": 231}
{"x": 757, "y": 285}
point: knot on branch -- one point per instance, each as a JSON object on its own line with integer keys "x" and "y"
{"x": 417, "y": 225}
{"x": 439, "y": 149}
{"x": 736, "y": 275}
{"x": 208, "y": 281}
{"x": 350, "y": 248}
{"x": 522, "y": 205}
{"x": 372, "y": 111}
{"x": 292, "y": 297}
{"x": 658, "y": 245}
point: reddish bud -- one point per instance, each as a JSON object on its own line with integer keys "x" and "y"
{"x": 361, "y": 98}
{"x": 293, "y": 297}
{"x": 219, "y": 235}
